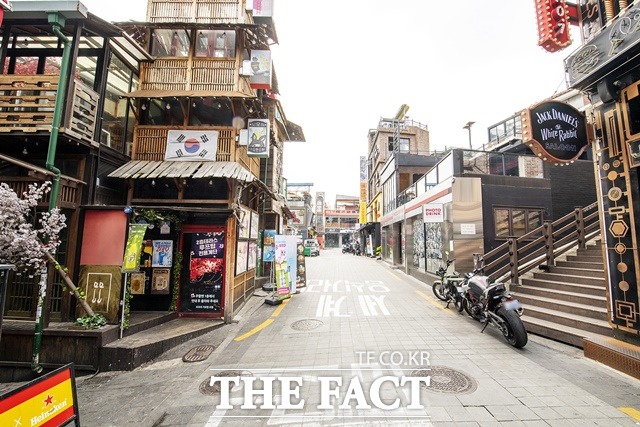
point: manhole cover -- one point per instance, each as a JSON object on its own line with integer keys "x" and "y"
{"x": 198, "y": 354}
{"x": 208, "y": 389}
{"x": 446, "y": 380}
{"x": 306, "y": 324}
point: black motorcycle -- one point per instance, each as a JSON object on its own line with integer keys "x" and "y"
{"x": 447, "y": 287}
{"x": 491, "y": 304}
{"x": 346, "y": 248}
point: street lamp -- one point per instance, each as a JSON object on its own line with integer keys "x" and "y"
{"x": 468, "y": 127}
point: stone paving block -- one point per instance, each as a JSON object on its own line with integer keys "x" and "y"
{"x": 546, "y": 413}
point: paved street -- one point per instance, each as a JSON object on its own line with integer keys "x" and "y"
{"x": 377, "y": 331}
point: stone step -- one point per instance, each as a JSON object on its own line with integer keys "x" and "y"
{"x": 562, "y": 333}
{"x": 562, "y": 286}
{"x": 574, "y": 308}
{"x": 585, "y": 258}
{"x": 568, "y": 278}
{"x": 558, "y": 295}
{"x": 580, "y": 264}
{"x": 577, "y": 271}
{"x": 584, "y": 323}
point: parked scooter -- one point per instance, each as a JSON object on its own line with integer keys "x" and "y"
{"x": 346, "y": 248}
{"x": 448, "y": 288}
{"x": 491, "y": 304}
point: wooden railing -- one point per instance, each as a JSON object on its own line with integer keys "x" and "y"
{"x": 27, "y": 104}
{"x": 194, "y": 74}
{"x": 201, "y": 11}
{"x": 68, "y": 196}
{"x": 150, "y": 143}
{"x": 541, "y": 246}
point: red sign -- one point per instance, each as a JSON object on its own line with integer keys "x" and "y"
{"x": 48, "y": 401}
{"x": 553, "y": 24}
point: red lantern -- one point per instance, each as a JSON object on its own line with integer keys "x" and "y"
{"x": 553, "y": 24}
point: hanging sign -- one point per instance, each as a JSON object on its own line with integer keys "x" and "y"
{"x": 258, "y": 138}
{"x": 556, "y": 132}
{"x": 260, "y": 69}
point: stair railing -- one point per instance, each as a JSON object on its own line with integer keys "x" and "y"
{"x": 540, "y": 247}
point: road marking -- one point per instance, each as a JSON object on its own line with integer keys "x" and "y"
{"x": 434, "y": 302}
{"x": 264, "y": 324}
{"x": 633, "y": 413}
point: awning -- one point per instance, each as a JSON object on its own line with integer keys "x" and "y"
{"x": 150, "y": 169}
{"x": 37, "y": 169}
{"x": 153, "y": 93}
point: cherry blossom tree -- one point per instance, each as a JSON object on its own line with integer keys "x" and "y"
{"x": 29, "y": 239}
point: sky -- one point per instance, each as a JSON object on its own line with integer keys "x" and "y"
{"x": 344, "y": 64}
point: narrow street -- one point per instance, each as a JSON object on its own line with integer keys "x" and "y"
{"x": 361, "y": 321}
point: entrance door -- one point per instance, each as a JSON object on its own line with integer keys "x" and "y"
{"x": 202, "y": 280}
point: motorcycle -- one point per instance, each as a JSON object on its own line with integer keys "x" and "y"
{"x": 347, "y": 249}
{"x": 356, "y": 249}
{"x": 448, "y": 288}
{"x": 491, "y": 304}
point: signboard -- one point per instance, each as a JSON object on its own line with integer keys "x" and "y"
{"x": 191, "y": 145}
{"x": 201, "y": 289}
{"x": 50, "y": 400}
{"x": 269, "y": 248}
{"x": 556, "y": 132}
{"x": 262, "y": 8}
{"x": 595, "y": 59}
{"x": 160, "y": 281}
{"x": 634, "y": 153}
{"x": 101, "y": 285}
{"x": 433, "y": 213}
{"x": 260, "y": 77}
{"x": 258, "y": 138}
{"x": 301, "y": 268}
{"x": 553, "y": 24}
{"x": 286, "y": 265}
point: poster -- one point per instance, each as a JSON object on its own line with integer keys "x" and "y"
{"x": 252, "y": 255}
{"x": 244, "y": 224}
{"x": 241, "y": 257}
{"x": 286, "y": 264}
{"x": 254, "y": 225}
{"x": 160, "y": 281}
{"x": 138, "y": 281}
{"x": 134, "y": 247}
{"x": 301, "y": 270}
{"x": 162, "y": 253}
{"x": 147, "y": 253}
{"x": 201, "y": 290}
{"x": 269, "y": 249}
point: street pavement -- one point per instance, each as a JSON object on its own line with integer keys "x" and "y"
{"x": 354, "y": 344}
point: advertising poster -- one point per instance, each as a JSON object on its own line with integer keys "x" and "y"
{"x": 301, "y": 270}
{"x": 286, "y": 263}
{"x": 252, "y": 255}
{"x": 244, "y": 224}
{"x": 194, "y": 145}
{"x": 241, "y": 257}
{"x": 202, "y": 285}
{"x": 254, "y": 225}
{"x": 258, "y": 138}
{"x": 162, "y": 253}
{"x": 160, "y": 281}
{"x": 133, "y": 248}
{"x": 138, "y": 281}
{"x": 269, "y": 249}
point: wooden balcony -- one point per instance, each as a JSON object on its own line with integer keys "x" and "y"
{"x": 27, "y": 103}
{"x": 196, "y": 11}
{"x": 68, "y": 197}
{"x": 150, "y": 143}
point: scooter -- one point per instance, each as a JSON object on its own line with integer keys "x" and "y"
{"x": 491, "y": 304}
{"x": 346, "y": 248}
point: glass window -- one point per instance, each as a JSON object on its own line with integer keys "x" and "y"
{"x": 169, "y": 43}
{"x": 216, "y": 44}
{"x": 116, "y": 129}
{"x": 501, "y": 220}
{"x": 518, "y": 222}
{"x": 404, "y": 145}
{"x": 445, "y": 168}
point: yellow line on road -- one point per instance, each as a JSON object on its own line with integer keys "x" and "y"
{"x": 264, "y": 324}
{"x": 633, "y": 413}
{"x": 434, "y": 302}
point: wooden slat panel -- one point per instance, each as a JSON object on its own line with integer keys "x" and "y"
{"x": 218, "y": 11}
{"x": 166, "y": 74}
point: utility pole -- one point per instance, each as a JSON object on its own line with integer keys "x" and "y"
{"x": 468, "y": 127}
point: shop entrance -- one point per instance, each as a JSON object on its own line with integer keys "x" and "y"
{"x": 202, "y": 284}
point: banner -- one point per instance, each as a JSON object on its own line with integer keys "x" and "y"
{"x": 258, "y": 138}
{"x": 133, "y": 249}
{"x": 191, "y": 145}
{"x": 301, "y": 270}
{"x": 269, "y": 248}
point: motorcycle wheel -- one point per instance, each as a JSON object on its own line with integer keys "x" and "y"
{"x": 514, "y": 331}
{"x": 465, "y": 306}
{"x": 438, "y": 291}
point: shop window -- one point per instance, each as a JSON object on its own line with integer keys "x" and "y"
{"x": 516, "y": 222}
{"x": 172, "y": 43}
{"x": 216, "y": 44}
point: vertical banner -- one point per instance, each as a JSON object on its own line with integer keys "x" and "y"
{"x": 301, "y": 269}
{"x": 269, "y": 248}
{"x": 292, "y": 263}
{"x": 258, "y": 138}
{"x": 133, "y": 249}
{"x": 203, "y": 290}
{"x": 282, "y": 271}
{"x": 363, "y": 190}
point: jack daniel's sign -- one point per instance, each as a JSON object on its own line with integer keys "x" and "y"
{"x": 556, "y": 132}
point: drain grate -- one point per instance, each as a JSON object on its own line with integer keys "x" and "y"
{"x": 207, "y": 389}
{"x": 306, "y": 324}
{"x": 446, "y": 380}
{"x": 198, "y": 354}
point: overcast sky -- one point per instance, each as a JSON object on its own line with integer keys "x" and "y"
{"x": 344, "y": 64}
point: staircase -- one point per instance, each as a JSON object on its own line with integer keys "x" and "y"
{"x": 568, "y": 302}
